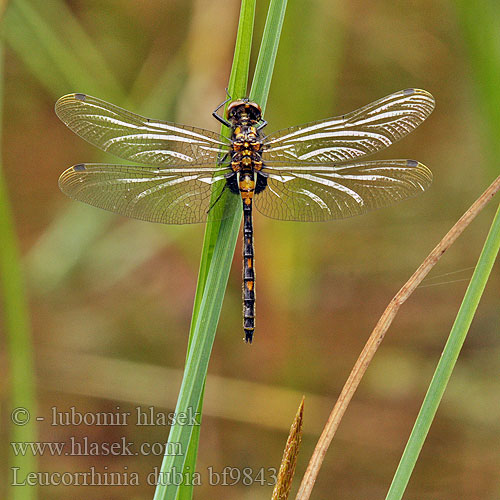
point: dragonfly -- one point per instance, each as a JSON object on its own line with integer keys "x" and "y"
{"x": 312, "y": 172}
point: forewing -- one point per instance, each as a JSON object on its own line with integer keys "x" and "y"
{"x": 321, "y": 193}
{"x": 170, "y": 196}
{"x": 135, "y": 138}
{"x": 362, "y": 132}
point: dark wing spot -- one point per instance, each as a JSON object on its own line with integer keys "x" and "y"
{"x": 409, "y": 91}
{"x": 79, "y": 168}
{"x": 81, "y": 97}
{"x": 411, "y": 163}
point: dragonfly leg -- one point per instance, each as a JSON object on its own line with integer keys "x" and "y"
{"x": 223, "y": 159}
{"x": 218, "y": 198}
{"x": 219, "y": 118}
{"x": 262, "y": 125}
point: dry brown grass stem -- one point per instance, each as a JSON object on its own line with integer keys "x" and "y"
{"x": 377, "y": 336}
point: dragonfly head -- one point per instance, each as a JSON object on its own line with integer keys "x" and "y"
{"x": 244, "y": 110}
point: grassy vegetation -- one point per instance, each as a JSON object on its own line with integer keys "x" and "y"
{"x": 447, "y": 361}
{"x": 219, "y": 245}
{"x": 18, "y": 335}
{"x": 321, "y": 287}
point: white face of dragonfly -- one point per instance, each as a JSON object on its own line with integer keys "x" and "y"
{"x": 244, "y": 111}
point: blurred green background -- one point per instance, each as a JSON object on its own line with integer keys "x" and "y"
{"x": 110, "y": 299}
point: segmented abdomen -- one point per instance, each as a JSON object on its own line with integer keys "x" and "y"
{"x": 248, "y": 274}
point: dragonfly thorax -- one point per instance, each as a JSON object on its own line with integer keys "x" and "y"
{"x": 244, "y": 111}
{"x": 245, "y": 137}
{"x": 246, "y": 149}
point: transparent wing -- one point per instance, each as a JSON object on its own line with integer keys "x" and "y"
{"x": 347, "y": 137}
{"x": 321, "y": 193}
{"x": 170, "y": 196}
{"x": 135, "y": 138}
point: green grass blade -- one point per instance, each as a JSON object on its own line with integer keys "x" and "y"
{"x": 47, "y": 273}
{"x": 315, "y": 97}
{"x": 267, "y": 54}
{"x": 217, "y": 253}
{"x": 237, "y": 88}
{"x": 199, "y": 352}
{"x": 18, "y": 334}
{"x": 48, "y": 36}
{"x": 24, "y": 43}
{"x": 479, "y": 22}
{"x": 70, "y": 30}
{"x": 447, "y": 361}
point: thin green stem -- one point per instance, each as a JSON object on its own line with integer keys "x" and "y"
{"x": 267, "y": 54}
{"x": 19, "y": 341}
{"x": 447, "y": 361}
